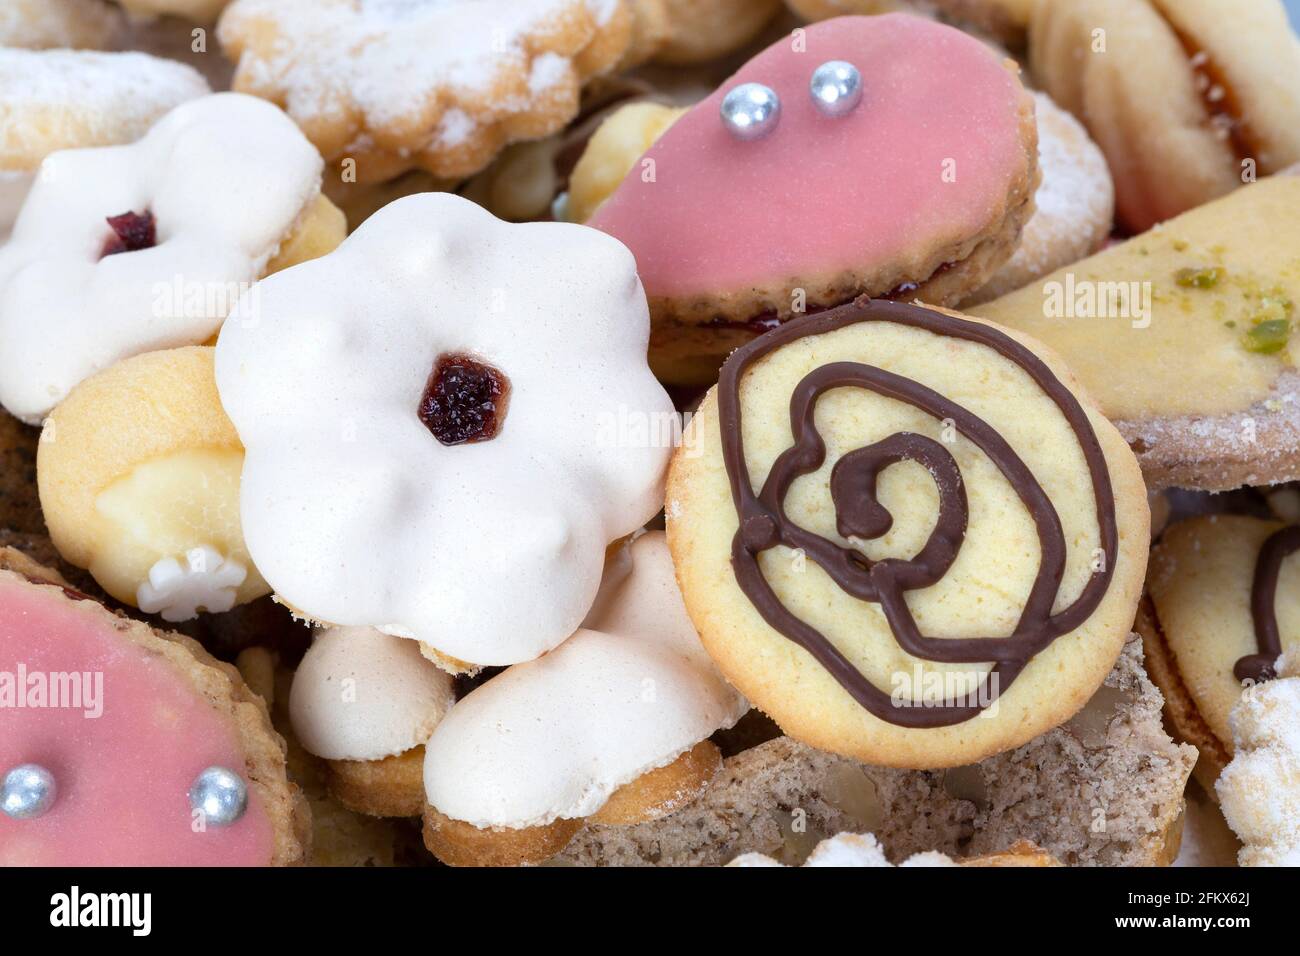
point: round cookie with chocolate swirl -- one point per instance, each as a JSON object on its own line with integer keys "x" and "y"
{"x": 906, "y": 535}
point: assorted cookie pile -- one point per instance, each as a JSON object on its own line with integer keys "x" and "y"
{"x": 639, "y": 432}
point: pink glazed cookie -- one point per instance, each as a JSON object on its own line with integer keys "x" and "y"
{"x": 919, "y": 190}
{"x": 124, "y": 746}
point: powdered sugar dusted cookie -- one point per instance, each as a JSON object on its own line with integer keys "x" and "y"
{"x": 1224, "y": 604}
{"x": 437, "y": 84}
{"x": 906, "y": 535}
{"x": 129, "y": 746}
{"x": 1260, "y": 789}
{"x": 366, "y": 702}
{"x": 476, "y": 389}
{"x": 734, "y": 233}
{"x": 129, "y": 249}
{"x": 1074, "y": 206}
{"x": 610, "y": 726}
{"x": 1183, "y": 337}
{"x": 864, "y": 850}
{"x": 139, "y": 476}
{"x": 45, "y": 24}
{"x": 64, "y": 99}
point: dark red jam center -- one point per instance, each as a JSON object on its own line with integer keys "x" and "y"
{"x": 465, "y": 400}
{"x": 132, "y": 231}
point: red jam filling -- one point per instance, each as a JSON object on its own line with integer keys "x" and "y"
{"x": 465, "y": 400}
{"x": 132, "y": 231}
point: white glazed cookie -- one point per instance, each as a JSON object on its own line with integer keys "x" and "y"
{"x": 70, "y": 24}
{"x": 1260, "y": 789}
{"x": 360, "y": 694}
{"x": 64, "y": 99}
{"x": 129, "y": 249}
{"x": 906, "y": 536}
{"x": 365, "y": 702}
{"x": 553, "y": 739}
{"x": 478, "y": 392}
{"x": 437, "y": 84}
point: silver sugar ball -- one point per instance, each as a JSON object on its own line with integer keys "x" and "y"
{"x": 29, "y": 791}
{"x": 751, "y": 111}
{"x": 220, "y": 794}
{"x": 836, "y": 88}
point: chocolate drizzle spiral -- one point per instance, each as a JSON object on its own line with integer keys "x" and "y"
{"x": 764, "y": 524}
{"x": 1263, "y": 606}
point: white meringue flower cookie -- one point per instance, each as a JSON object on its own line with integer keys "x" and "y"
{"x": 135, "y": 248}
{"x": 436, "y": 322}
{"x": 613, "y": 726}
{"x": 366, "y": 702}
{"x": 68, "y": 99}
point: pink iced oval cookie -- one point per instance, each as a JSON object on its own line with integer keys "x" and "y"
{"x": 926, "y": 161}
{"x": 124, "y": 721}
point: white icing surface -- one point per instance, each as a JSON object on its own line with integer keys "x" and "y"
{"x": 362, "y": 695}
{"x": 490, "y": 552}
{"x": 555, "y": 737}
{"x": 206, "y": 582}
{"x": 225, "y": 177}
{"x": 1259, "y": 789}
{"x": 14, "y": 186}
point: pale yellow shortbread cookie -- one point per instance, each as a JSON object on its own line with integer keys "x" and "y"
{"x": 1183, "y": 337}
{"x": 1199, "y": 624}
{"x": 981, "y": 594}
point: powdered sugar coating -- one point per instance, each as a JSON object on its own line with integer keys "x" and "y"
{"x": 411, "y": 76}
{"x": 66, "y": 99}
{"x": 1259, "y": 790}
{"x": 324, "y": 392}
{"x": 362, "y": 695}
{"x": 225, "y": 178}
{"x": 848, "y": 850}
{"x": 555, "y": 737}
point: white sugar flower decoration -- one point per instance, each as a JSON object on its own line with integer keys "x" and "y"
{"x": 446, "y": 421}
{"x": 206, "y": 582}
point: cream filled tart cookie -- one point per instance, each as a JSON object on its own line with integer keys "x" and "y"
{"x": 1222, "y": 607}
{"x": 66, "y": 99}
{"x": 394, "y": 85}
{"x": 1188, "y": 99}
{"x": 122, "y": 745}
{"x": 366, "y": 702}
{"x": 744, "y": 212}
{"x": 138, "y": 471}
{"x": 611, "y": 727}
{"x": 128, "y": 249}
{"x": 478, "y": 393}
{"x": 906, "y": 535}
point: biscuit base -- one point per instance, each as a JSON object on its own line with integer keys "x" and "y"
{"x": 664, "y": 790}
{"x": 392, "y": 787}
